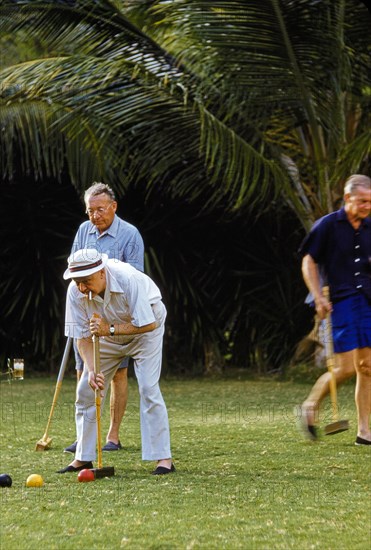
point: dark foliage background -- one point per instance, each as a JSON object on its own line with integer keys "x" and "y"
{"x": 231, "y": 284}
{"x": 226, "y": 131}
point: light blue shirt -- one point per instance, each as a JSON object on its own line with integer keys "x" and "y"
{"x": 121, "y": 241}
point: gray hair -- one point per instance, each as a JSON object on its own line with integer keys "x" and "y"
{"x": 99, "y": 189}
{"x": 356, "y": 181}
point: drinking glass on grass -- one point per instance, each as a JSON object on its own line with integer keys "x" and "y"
{"x": 18, "y": 369}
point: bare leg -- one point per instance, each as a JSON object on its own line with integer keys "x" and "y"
{"x": 363, "y": 392}
{"x": 118, "y": 401}
{"x": 344, "y": 369}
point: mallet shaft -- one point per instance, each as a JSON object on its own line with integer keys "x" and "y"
{"x": 98, "y": 400}
{"x": 96, "y": 360}
{"x": 45, "y": 439}
{"x": 330, "y": 361}
{"x": 108, "y": 470}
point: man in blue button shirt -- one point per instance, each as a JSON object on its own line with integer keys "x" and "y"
{"x": 120, "y": 240}
{"x": 338, "y": 247}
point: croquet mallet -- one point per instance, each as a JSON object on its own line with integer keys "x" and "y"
{"x": 100, "y": 471}
{"x": 337, "y": 425}
{"x": 45, "y": 442}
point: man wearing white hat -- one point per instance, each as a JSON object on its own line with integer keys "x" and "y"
{"x": 129, "y": 319}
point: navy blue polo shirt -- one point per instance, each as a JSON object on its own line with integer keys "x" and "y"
{"x": 342, "y": 252}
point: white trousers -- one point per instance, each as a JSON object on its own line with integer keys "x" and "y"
{"x": 146, "y": 351}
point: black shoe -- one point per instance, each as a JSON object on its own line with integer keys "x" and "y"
{"x": 309, "y": 431}
{"x": 111, "y": 446}
{"x": 71, "y": 449}
{"x": 87, "y": 465}
{"x": 361, "y": 441}
{"x": 161, "y": 470}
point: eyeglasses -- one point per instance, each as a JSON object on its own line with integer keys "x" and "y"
{"x": 98, "y": 211}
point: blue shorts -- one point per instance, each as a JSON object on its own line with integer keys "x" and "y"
{"x": 80, "y": 362}
{"x": 351, "y": 323}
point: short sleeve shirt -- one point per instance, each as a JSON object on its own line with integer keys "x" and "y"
{"x": 342, "y": 252}
{"x": 128, "y": 298}
{"x": 121, "y": 241}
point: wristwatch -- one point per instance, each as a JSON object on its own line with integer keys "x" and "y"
{"x": 112, "y": 330}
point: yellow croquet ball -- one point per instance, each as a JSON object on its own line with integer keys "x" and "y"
{"x": 34, "y": 480}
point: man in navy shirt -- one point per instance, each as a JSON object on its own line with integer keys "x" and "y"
{"x": 338, "y": 247}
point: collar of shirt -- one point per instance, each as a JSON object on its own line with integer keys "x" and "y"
{"x": 111, "y": 286}
{"x": 112, "y": 230}
{"x": 341, "y": 215}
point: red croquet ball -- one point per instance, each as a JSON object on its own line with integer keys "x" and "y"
{"x": 85, "y": 475}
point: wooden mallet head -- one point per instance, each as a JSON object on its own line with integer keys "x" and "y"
{"x": 105, "y": 471}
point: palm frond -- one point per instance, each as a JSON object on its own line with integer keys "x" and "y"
{"x": 355, "y": 154}
{"x": 108, "y": 109}
{"x": 36, "y": 130}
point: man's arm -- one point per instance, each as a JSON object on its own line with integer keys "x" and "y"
{"x": 133, "y": 252}
{"x": 312, "y": 279}
{"x": 85, "y": 347}
{"x": 80, "y": 239}
{"x": 100, "y": 327}
{"x": 86, "y": 350}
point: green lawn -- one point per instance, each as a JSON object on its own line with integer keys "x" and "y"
{"x": 245, "y": 478}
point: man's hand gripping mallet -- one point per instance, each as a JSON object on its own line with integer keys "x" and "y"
{"x": 100, "y": 471}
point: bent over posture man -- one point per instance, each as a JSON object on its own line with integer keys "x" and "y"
{"x": 117, "y": 238}
{"x": 339, "y": 246}
{"x": 129, "y": 316}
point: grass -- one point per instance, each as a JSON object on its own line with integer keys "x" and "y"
{"x": 244, "y": 479}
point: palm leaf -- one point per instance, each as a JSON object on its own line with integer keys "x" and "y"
{"x": 111, "y": 110}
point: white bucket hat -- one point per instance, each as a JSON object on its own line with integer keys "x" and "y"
{"x": 85, "y": 262}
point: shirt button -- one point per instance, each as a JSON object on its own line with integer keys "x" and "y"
{"x": 359, "y": 286}
{"x": 357, "y": 260}
{"x": 357, "y": 246}
{"x": 357, "y": 273}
